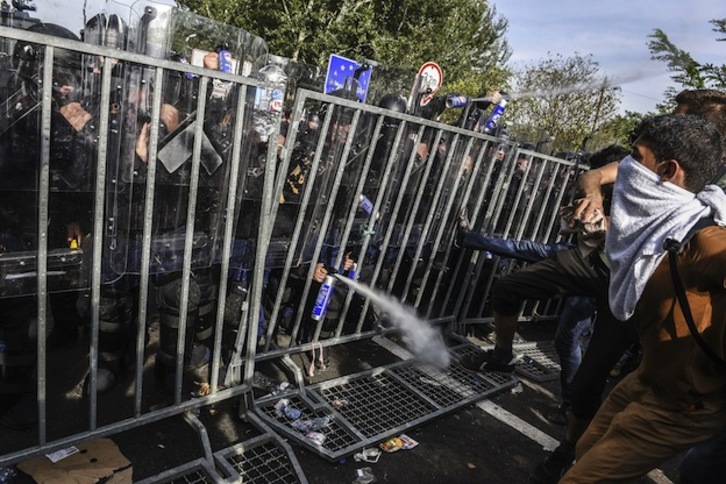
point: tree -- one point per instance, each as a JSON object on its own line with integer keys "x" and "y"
{"x": 573, "y": 112}
{"x": 465, "y": 37}
{"x": 620, "y": 128}
{"x": 688, "y": 72}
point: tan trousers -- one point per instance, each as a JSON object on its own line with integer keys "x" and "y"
{"x": 633, "y": 433}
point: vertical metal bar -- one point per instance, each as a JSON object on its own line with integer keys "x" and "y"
{"x": 464, "y": 300}
{"x": 530, "y": 203}
{"x": 502, "y": 190}
{"x": 98, "y": 231}
{"x": 228, "y": 233}
{"x": 189, "y": 237}
{"x": 440, "y": 186}
{"x": 264, "y": 233}
{"x": 43, "y": 195}
{"x": 146, "y": 240}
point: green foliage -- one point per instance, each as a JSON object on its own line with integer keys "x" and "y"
{"x": 573, "y": 112}
{"x": 687, "y": 72}
{"x": 619, "y": 128}
{"x": 465, "y": 37}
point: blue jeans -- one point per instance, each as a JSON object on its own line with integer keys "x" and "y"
{"x": 575, "y": 320}
{"x": 704, "y": 463}
{"x": 526, "y": 250}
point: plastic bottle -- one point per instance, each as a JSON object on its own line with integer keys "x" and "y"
{"x": 220, "y": 89}
{"x": 269, "y": 100}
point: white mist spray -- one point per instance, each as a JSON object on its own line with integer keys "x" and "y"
{"x": 419, "y": 337}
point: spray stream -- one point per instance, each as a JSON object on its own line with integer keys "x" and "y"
{"x": 425, "y": 342}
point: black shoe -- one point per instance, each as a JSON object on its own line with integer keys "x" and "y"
{"x": 486, "y": 361}
{"x": 554, "y": 467}
{"x": 559, "y": 415}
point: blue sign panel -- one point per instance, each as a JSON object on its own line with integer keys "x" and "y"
{"x": 340, "y": 75}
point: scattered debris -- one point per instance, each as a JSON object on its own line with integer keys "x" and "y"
{"x": 368, "y": 455}
{"x": 408, "y": 442}
{"x": 308, "y": 425}
{"x": 364, "y": 476}
{"x": 284, "y": 408}
{"x": 392, "y": 445}
{"x": 317, "y": 437}
{"x": 339, "y": 403}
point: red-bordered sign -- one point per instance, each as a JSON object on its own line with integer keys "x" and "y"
{"x": 431, "y": 78}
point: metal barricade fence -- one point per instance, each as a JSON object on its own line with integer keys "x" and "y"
{"x": 380, "y": 187}
{"x": 140, "y": 235}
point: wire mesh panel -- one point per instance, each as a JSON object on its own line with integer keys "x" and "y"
{"x": 261, "y": 461}
{"x": 538, "y": 360}
{"x": 362, "y": 409}
{"x": 452, "y": 386}
{"x": 337, "y": 437}
{"x": 195, "y": 472}
{"x": 377, "y": 404}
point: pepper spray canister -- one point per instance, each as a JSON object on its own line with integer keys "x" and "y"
{"x": 365, "y": 204}
{"x": 323, "y": 300}
{"x": 457, "y": 101}
{"x": 225, "y": 58}
{"x": 353, "y": 269}
{"x": 493, "y": 119}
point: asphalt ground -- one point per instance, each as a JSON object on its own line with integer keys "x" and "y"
{"x": 498, "y": 440}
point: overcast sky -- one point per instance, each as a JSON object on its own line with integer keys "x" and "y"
{"x": 615, "y": 32}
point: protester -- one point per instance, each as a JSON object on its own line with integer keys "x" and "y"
{"x": 676, "y": 398}
{"x": 575, "y": 319}
{"x": 705, "y": 103}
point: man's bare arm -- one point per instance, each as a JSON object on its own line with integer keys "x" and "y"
{"x": 589, "y": 186}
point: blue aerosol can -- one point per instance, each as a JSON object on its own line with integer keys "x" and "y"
{"x": 324, "y": 294}
{"x": 365, "y": 204}
{"x": 458, "y": 101}
{"x": 225, "y": 59}
{"x": 493, "y": 120}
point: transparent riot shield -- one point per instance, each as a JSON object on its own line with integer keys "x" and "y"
{"x": 196, "y": 113}
{"x": 47, "y": 166}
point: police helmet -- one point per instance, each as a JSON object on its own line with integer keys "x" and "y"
{"x": 28, "y": 52}
{"x": 394, "y": 102}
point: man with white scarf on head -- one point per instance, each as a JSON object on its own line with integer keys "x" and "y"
{"x": 677, "y": 397}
